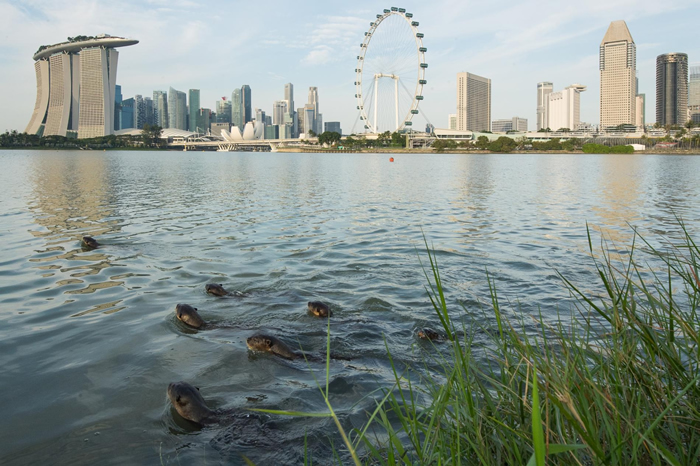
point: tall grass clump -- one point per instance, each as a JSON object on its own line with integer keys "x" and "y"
{"x": 615, "y": 382}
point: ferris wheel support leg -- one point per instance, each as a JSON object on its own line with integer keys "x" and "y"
{"x": 396, "y": 101}
{"x": 376, "y": 101}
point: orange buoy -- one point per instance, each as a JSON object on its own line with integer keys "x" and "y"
{"x": 391, "y": 159}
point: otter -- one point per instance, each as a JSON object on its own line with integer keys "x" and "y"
{"x": 189, "y": 315}
{"x": 319, "y": 309}
{"x": 270, "y": 344}
{"x": 90, "y": 242}
{"x": 216, "y": 289}
{"x": 429, "y": 334}
{"x": 190, "y": 404}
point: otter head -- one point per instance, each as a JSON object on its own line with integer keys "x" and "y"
{"x": 189, "y": 315}
{"x": 215, "y": 289}
{"x": 319, "y": 309}
{"x": 260, "y": 343}
{"x": 90, "y": 242}
{"x": 188, "y": 402}
{"x": 428, "y": 334}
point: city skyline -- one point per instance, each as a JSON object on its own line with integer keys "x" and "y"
{"x": 267, "y": 50}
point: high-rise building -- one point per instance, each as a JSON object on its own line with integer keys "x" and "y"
{"x": 543, "y": 90}
{"x": 279, "y": 111}
{"x": 143, "y": 111}
{"x": 117, "y": 107}
{"x": 672, "y": 89}
{"x": 72, "y": 77}
{"x": 640, "y": 106}
{"x": 272, "y": 132}
{"x": 452, "y": 121}
{"x": 237, "y": 110}
{"x": 300, "y": 121}
{"x": 160, "y": 108}
{"x": 563, "y": 108}
{"x": 309, "y": 119}
{"x": 312, "y": 120}
{"x": 319, "y": 123}
{"x": 177, "y": 109}
{"x": 289, "y": 98}
{"x": 513, "y": 124}
{"x": 260, "y": 116}
{"x": 473, "y": 102}
{"x": 203, "y": 120}
{"x": 332, "y": 126}
{"x": 127, "y": 118}
{"x": 223, "y": 111}
{"x": 694, "y": 93}
{"x": 247, "y": 101}
{"x": 618, "y": 65}
{"x": 195, "y": 105}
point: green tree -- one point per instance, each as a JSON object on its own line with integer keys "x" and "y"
{"x": 329, "y": 137}
{"x": 398, "y": 139}
{"x": 503, "y": 144}
{"x": 482, "y": 142}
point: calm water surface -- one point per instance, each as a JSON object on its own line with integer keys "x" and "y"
{"x": 89, "y": 342}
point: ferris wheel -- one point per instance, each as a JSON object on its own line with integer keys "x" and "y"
{"x": 390, "y": 72}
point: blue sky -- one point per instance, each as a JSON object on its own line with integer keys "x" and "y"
{"x": 218, "y": 45}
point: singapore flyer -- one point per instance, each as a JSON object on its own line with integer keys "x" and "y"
{"x": 390, "y": 72}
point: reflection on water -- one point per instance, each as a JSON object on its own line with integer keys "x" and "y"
{"x": 89, "y": 341}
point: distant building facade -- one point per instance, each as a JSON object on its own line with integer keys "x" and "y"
{"x": 618, "y": 87}
{"x": 672, "y": 89}
{"x": 247, "y": 103}
{"x": 160, "y": 108}
{"x": 473, "y": 102}
{"x": 543, "y": 91}
{"x": 694, "y": 93}
{"x": 223, "y": 111}
{"x": 193, "y": 111}
{"x": 452, "y": 121}
{"x": 640, "y": 106}
{"x": 237, "y": 110}
{"x": 177, "y": 109}
{"x": 563, "y": 108}
{"x": 513, "y": 124}
{"x": 332, "y": 126}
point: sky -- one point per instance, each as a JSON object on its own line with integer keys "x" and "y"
{"x": 218, "y": 45}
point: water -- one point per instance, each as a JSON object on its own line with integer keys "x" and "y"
{"x": 89, "y": 342}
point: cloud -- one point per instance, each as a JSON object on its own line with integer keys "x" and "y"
{"x": 319, "y": 56}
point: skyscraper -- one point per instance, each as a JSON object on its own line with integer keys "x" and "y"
{"x": 563, "y": 108}
{"x": 473, "y": 102}
{"x": 543, "y": 90}
{"x": 177, "y": 109}
{"x": 126, "y": 117}
{"x": 237, "y": 111}
{"x": 72, "y": 77}
{"x": 672, "y": 89}
{"x": 618, "y": 66}
{"x": 246, "y": 98}
{"x": 223, "y": 111}
{"x": 279, "y": 111}
{"x": 694, "y": 93}
{"x": 160, "y": 108}
{"x": 289, "y": 98}
{"x": 117, "y": 107}
{"x": 194, "y": 124}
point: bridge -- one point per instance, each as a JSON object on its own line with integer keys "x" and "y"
{"x": 260, "y": 145}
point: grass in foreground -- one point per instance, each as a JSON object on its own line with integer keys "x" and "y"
{"x": 614, "y": 383}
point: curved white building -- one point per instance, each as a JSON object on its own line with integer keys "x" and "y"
{"x": 75, "y": 87}
{"x": 253, "y": 131}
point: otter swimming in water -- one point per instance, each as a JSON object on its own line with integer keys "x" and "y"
{"x": 189, "y": 315}
{"x": 90, "y": 242}
{"x": 319, "y": 309}
{"x": 270, "y": 344}
{"x": 190, "y": 404}
{"x": 429, "y": 334}
{"x": 216, "y": 289}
